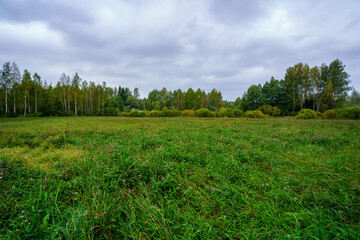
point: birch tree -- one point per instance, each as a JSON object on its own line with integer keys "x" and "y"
{"x": 37, "y": 85}
{"x": 15, "y": 78}
{"x": 63, "y": 79}
{"x": 26, "y": 84}
{"x": 6, "y": 82}
{"x": 75, "y": 84}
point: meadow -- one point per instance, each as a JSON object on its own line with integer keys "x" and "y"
{"x": 179, "y": 178}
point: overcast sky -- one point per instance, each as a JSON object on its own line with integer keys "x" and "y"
{"x": 222, "y": 44}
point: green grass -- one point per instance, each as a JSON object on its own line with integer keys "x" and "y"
{"x": 177, "y": 178}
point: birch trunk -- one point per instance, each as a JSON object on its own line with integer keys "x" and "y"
{"x": 14, "y": 102}
{"x": 25, "y": 106}
{"x": 75, "y": 104}
{"x": 69, "y": 99}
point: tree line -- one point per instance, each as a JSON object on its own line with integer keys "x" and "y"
{"x": 318, "y": 88}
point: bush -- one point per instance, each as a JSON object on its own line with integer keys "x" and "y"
{"x": 330, "y": 114}
{"x": 349, "y": 113}
{"x": 110, "y": 111}
{"x": 238, "y": 113}
{"x": 155, "y": 113}
{"x": 226, "y": 112}
{"x": 39, "y": 114}
{"x": 142, "y": 114}
{"x": 269, "y": 110}
{"x": 259, "y": 114}
{"x": 170, "y": 113}
{"x": 122, "y": 114}
{"x": 134, "y": 113}
{"x": 307, "y": 114}
{"x": 68, "y": 113}
{"x": 188, "y": 113}
{"x": 320, "y": 115}
{"x": 204, "y": 112}
{"x": 249, "y": 114}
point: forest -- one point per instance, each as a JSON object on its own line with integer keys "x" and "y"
{"x": 319, "y": 88}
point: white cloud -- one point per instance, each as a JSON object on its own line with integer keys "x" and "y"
{"x": 31, "y": 34}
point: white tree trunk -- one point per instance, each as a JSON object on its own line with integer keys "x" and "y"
{"x": 25, "y": 106}
{"x": 14, "y": 102}
{"x": 75, "y": 103}
{"x": 64, "y": 97}
{"x": 29, "y": 103}
{"x": 69, "y": 99}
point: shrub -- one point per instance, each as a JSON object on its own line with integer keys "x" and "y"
{"x": 142, "y": 114}
{"x": 259, "y": 114}
{"x": 226, "y": 112}
{"x": 249, "y": 114}
{"x": 39, "y": 114}
{"x": 170, "y": 113}
{"x": 188, "y": 113}
{"x": 204, "y": 112}
{"x": 269, "y": 110}
{"x": 134, "y": 113}
{"x": 330, "y": 114}
{"x": 122, "y": 114}
{"x": 349, "y": 113}
{"x": 110, "y": 111}
{"x": 155, "y": 113}
{"x": 307, "y": 114}
{"x": 320, "y": 115}
{"x": 238, "y": 113}
{"x": 68, "y": 113}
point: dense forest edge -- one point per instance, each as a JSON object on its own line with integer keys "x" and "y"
{"x": 308, "y": 92}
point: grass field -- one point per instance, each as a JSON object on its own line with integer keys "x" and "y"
{"x": 179, "y": 178}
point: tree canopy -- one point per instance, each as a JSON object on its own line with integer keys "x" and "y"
{"x": 318, "y": 88}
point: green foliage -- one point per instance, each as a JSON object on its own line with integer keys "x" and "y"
{"x": 67, "y": 113}
{"x": 349, "y": 113}
{"x": 269, "y": 110}
{"x": 259, "y": 114}
{"x": 204, "y": 112}
{"x": 134, "y": 113}
{"x": 307, "y": 114}
{"x": 253, "y": 98}
{"x": 238, "y": 113}
{"x": 226, "y": 112}
{"x": 122, "y": 114}
{"x": 303, "y": 87}
{"x": 170, "y": 113}
{"x": 321, "y": 115}
{"x": 188, "y": 113}
{"x": 249, "y": 114}
{"x": 330, "y": 114}
{"x": 110, "y": 111}
{"x": 155, "y": 113}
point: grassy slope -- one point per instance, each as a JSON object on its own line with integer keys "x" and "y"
{"x": 80, "y": 178}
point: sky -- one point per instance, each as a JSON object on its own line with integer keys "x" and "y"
{"x": 150, "y": 44}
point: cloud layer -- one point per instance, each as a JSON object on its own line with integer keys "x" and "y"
{"x": 222, "y": 44}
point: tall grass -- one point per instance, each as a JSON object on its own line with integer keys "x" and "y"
{"x": 156, "y": 178}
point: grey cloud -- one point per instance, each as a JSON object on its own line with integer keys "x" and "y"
{"x": 36, "y": 10}
{"x": 238, "y": 11}
{"x": 163, "y": 50}
{"x": 222, "y": 44}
